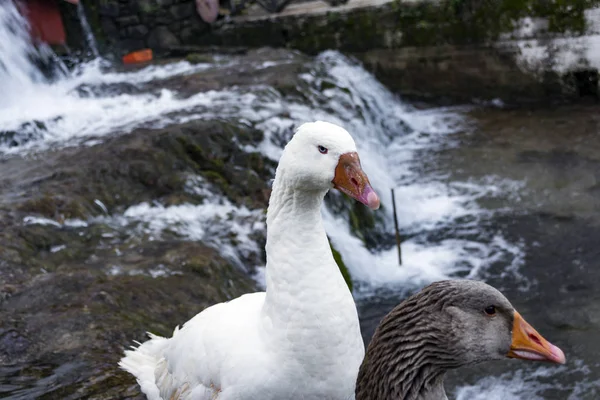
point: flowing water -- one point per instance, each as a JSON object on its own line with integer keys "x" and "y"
{"x": 449, "y": 220}
{"x": 19, "y": 76}
{"x": 87, "y": 31}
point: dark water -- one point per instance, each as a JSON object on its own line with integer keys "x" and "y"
{"x": 555, "y": 216}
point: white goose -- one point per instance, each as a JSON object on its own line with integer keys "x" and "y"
{"x": 298, "y": 340}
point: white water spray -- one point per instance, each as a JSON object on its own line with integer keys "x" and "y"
{"x": 43, "y": 111}
{"x": 19, "y": 76}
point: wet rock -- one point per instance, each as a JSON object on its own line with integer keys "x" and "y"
{"x": 248, "y": 67}
{"x": 95, "y": 316}
{"x": 12, "y": 343}
{"x": 147, "y": 6}
{"x": 128, "y": 20}
{"x": 142, "y": 166}
{"x": 109, "y": 27}
{"x": 198, "y": 58}
{"x": 109, "y": 8}
{"x": 135, "y": 32}
{"x": 193, "y": 34}
{"x": 184, "y": 10}
{"x": 162, "y": 38}
{"x": 131, "y": 44}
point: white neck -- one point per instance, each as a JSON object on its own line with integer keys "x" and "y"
{"x": 301, "y": 272}
{"x": 309, "y": 314}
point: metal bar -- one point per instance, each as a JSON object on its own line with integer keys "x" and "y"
{"x": 398, "y": 239}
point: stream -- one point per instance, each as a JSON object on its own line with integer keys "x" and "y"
{"x": 511, "y": 197}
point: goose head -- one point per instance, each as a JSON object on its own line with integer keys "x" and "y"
{"x": 321, "y": 156}
{"x": 485, "y": 326}
{"x": 447, "y": 325}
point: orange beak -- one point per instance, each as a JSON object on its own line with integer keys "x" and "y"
{"x": 527, "y": 344}
{"x": 350, "y": 179}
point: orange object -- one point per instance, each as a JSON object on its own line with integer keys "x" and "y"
{"x": 139, "y": 56}
{"x": 45, "y": 21}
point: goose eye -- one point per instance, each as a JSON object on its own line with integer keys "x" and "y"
{"x": 323, "y": 150}
{"x": 490, "y": 310}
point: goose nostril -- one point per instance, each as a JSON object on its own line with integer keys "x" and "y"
{"x": 535, "y": 339}
{"x": 354, "y": 181}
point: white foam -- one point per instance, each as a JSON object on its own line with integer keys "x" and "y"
{"x": 97, "y": 72}
{"x": 71, "y": 223}
{"x": 77, "y": 106}
{"x": 19, "y": 77}
{"x": 69, "y": 118}
{"x": 56, "y": 249}
{"x": 531, "y": 384}
{"x": 158, "y": 271}
{"x": 32, "y": 220}
{"x": 424, "y": 261}
{"x": 216, "y": 222}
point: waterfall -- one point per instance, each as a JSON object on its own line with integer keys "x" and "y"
{"x": 87, "y": 31}
{"x": 27, "y": 68}
{"x": 19, "y": 73}
{"x": 391, "y": 136}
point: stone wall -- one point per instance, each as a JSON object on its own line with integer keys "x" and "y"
{"x": 522, "y": 51}
{"x": 121, "y": 26}
{"x": 456, "y": 50}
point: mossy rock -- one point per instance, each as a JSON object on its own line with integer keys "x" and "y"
{"x": 218, "y": 155}
{"x": 368, "y": 225}
{"x": 102, "y": 313}
{"x": 199, "y": 58}
{"x": 406, "y": 23}
{"x": 56, "y": 206}
{"x": 342, "y": 266}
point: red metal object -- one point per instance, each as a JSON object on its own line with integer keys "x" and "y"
{"x": 137, "y": 57}
{"x": 45, "y": 20}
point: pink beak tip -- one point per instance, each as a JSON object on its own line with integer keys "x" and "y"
{"x": 558, "y": 355}
{"x": 369, "y": 198}
{"x": 373, "y": 201}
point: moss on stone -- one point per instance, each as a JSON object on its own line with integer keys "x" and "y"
{"x": 55, "y": 206}
{"x": 148, "y": 7}
{"x": 342, "y": 266}
{"x": 215, "y": 178}
{"x": 199, "y": 58}
{"x": 404, "y": 23}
